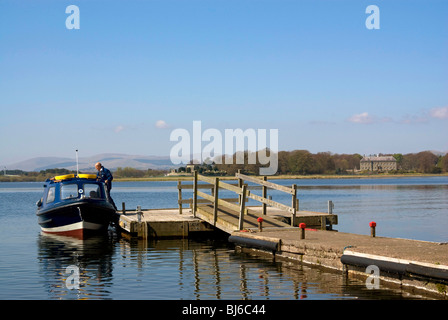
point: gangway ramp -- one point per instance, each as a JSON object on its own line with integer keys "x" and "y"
{"x": 231, "y": 214}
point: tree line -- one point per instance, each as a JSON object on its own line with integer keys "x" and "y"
{"x": 128, "y": 172}
{"x": 42, "y": 175}
{"x": 296, "y": 162}
{"x": 303, "y": 162}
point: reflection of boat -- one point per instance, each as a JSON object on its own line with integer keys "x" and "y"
{"x": 74, "y": 205}
{"x": 92, "y": 256}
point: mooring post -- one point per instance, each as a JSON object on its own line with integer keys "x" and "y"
{"x": 302, "y": 227}
{"x": 242, "y": 207}
{"x": 195, "y": 193}
{"x": 372, "y": 225}
{"x": 123, "y": 208}
{"x": 260, "y": 224}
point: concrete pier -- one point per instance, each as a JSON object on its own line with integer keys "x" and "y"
{"x": 415, "y": 266}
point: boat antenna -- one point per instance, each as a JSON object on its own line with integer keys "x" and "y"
{"x": 77, "y": 166}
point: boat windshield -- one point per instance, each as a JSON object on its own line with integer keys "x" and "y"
{"x": 50, "y": 194}
{"x": 69, "y": 191}
{"x": 92, "y": 190}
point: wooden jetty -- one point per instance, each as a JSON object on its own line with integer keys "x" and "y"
{"x": 209, "y": 212}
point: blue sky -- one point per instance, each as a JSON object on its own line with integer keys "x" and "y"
{"x": 136, "y": 70}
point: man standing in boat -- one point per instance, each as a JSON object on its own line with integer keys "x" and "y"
{"x": 104, "y": 175}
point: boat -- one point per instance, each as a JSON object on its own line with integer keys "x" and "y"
{"x": 74, "y": 205}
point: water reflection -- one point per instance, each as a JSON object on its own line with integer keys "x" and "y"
{"x": 212, "y": 269}
{"x": 93, "y": 257}
{"x": 208, "y": 269}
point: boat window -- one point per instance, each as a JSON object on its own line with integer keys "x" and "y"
{"x": 92, "y": 190}
{"x": 69, "y": 191}
{"x": 50, "y": 195}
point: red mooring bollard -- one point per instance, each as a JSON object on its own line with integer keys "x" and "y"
{"x": 260, "y": 224}
{"x": 302, "y": 227}
{"x": 372, "y": 225}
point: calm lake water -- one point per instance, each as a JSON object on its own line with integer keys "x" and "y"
{"x": 34, "y": 265}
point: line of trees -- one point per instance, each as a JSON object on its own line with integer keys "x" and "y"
{"x": 297, "y": 162}
{"x": 422, "y": 162}
{"x": 42, "y": 175}
{"x": 128, "y": 172}
{"x": 303, "y": 162}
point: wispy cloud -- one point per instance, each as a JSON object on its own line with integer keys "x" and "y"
{"x": 439, "y": 113}
{"x": 424, "y": 116}
{"x": 118, "y": 128}
{"x": 161, "y": 124}
{"x": 414, "y": 119}
{"x": 362, "y": 118}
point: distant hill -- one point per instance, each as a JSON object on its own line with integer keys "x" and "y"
{"x": 110, "y": 160}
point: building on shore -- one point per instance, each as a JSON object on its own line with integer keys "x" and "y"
{"x": 188, "y": 171}
{"x": 378, "y": 163}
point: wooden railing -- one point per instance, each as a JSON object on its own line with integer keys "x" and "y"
{"x": 241, "y": 190}
{"x": 264, "y": 198}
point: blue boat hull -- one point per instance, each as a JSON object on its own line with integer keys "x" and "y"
{"x": 77, "y": 218}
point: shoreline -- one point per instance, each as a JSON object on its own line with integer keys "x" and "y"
{"x": 279, "y": 177}
{"x": 295, "y": 177}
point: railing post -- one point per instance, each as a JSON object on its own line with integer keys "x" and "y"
{"x": 264, "y": 195}
{"x": 195, "y": 193}
{"x": 242, "y": 207}
{"x": 294, "y": 205}
{"x": 215, "y": 202}
{"x": 179, "y": 195}
{"x": 240, "y": 185}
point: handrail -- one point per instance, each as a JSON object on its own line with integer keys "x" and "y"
{"x": 220, "y": 201}
{"x": 224, "y": 185}
{"x": 265, "y": 201}
{"x": 241, "y": 190}
{"x": 266, "y": 183}
{"x": 270, "y": 202}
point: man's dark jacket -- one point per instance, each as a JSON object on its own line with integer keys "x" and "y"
{"x": 103, "y": 175}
